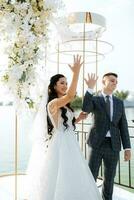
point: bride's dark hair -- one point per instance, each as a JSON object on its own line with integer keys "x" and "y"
{"x": 52, "y": 94}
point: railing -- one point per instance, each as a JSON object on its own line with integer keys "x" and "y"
{"x": 125, "y": 170}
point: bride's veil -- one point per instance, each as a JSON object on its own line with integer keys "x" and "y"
{"x": 39, "y": 147}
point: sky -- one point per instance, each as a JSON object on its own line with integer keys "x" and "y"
{"x": 119, "y": 32}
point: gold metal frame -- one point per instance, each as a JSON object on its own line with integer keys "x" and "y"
{"x": 84, "y": 19}
{"x": 65, "y": 51}
{"x": 16, "y": 155}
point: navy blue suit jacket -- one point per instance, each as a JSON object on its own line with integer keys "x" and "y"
{"x": 118, "y": 125}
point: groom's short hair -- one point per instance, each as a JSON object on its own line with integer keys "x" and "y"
{"x": 110, "y": 74}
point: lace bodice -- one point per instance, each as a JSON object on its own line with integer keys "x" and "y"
{"x": 59, "y": 124}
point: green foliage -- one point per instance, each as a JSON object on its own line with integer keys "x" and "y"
{"x": 22, "y": 1}
{"x": 121, "y": 94}
{"x": 77, "y": 103}
{"x": 6, "y": 77}
{"x": 23, "y": 77}
{"x": 29, "y": 102}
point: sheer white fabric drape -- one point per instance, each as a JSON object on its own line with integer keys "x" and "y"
{"x": 39, "y": 138}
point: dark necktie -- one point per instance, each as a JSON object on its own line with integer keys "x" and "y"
{"x": 108, "y": 106}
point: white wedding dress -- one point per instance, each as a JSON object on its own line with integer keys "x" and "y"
{"x": 61, "y": 173}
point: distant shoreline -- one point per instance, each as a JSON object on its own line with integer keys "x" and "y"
{"x": 11, "y": 104}
{"x": 129, "y": 106}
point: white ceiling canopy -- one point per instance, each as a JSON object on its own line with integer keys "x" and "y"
{"x": 80, "y": 31}
{"x": 76, "y": 25}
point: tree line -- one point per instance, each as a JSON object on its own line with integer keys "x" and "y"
{"x": 77, "y": 102}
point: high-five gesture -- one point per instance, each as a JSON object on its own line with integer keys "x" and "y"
{"x": 91, "y": 80}
{"x": 77, "y": 64}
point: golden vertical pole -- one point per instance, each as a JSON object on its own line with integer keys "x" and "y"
{"x": 83, "y": 75}
{"x": 96, "y": 71}
{"x": 88, "y": 17}
{"x": 58, "y": 58}
{"x": 16, "y": 155}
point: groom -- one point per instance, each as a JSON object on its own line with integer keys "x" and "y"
{"x": 108, "y": 131}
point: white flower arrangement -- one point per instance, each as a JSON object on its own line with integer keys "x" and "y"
{"x": 24, "y": 26}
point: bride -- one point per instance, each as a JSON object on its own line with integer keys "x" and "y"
{"x": 57, "y": 169}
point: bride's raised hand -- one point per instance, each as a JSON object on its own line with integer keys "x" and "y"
{"x": 75, "y": 67}
{"x": 70, "y": 94}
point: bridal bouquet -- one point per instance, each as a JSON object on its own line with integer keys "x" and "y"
{"x": 24, "y": 27}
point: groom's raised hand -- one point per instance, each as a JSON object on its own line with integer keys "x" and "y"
{"x": 91, "y": 80}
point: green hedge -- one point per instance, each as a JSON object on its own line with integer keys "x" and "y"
{"x": 77, "y": 103}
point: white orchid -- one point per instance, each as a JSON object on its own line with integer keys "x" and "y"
{"x": 24, "y": 26}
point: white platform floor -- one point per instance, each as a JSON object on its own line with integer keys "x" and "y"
{"x": 7, "y": 189}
